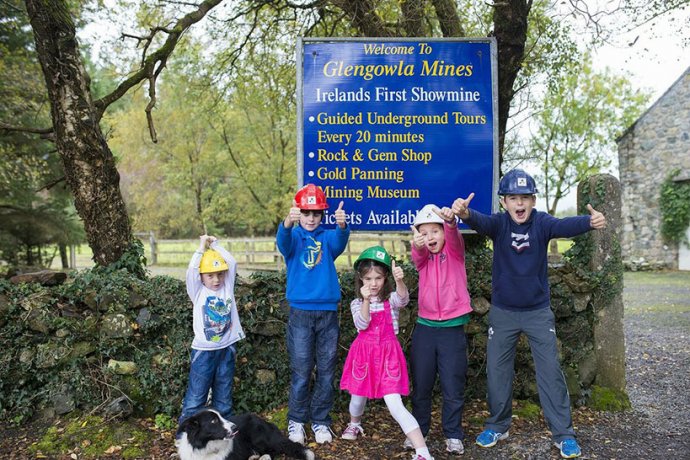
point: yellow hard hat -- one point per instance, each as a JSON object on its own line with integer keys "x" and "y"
{"x": 212, "y": 262}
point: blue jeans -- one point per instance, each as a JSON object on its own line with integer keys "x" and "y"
{"x": 442, "y": 351}
{"x": 210, "y": 370}
{"x": 312, "y": 340}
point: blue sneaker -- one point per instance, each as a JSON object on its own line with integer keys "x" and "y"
{"x": 489, "y": 438}
{"x": 569, "y": 448}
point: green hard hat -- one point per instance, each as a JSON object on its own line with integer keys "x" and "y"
{"x": 377, "y": 253}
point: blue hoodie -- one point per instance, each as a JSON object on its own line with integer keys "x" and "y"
{"x": 312, "y": 281}
{"x": 520, "y": 277}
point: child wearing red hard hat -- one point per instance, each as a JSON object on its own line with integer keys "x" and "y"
{"x": 313, "y": 293}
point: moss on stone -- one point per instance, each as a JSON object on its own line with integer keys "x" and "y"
{"x": 608, "y": 399}
{"x": 527, "y": 410}
{"x": 94, "y": 437}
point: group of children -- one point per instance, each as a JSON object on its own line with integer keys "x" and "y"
{"x": 375, "y": 366}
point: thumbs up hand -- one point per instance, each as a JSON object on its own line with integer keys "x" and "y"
{"x": 398, "y": 273}
{"x": 340, "y": 216}
{"x": 293, "y": 216}
{"x": 597, "y": 219}
{"x": 417, "y": 238}
{"x": 445, "y": 213}
{"x": 461, "y": 206}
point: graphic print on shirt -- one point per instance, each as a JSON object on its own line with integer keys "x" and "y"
{"x": 217, "y": 318}
{"x": 520, "y": 241}
{"x": 442, "y": 257}
{"x": 312, "y": 254}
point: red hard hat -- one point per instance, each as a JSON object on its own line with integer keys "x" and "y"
{"x": 311, "y": 197}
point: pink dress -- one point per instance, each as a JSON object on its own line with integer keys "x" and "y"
{"x": 375, "y": 365}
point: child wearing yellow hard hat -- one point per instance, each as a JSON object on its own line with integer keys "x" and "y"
{"x": 211, "y": 287}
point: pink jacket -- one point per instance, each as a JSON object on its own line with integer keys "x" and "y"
{"x": 443, "y": 291}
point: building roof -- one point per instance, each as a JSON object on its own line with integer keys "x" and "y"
{"x": 675, "y": 83}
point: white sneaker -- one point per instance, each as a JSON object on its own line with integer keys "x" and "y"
{"x": 454, "y": 446}
{"x": 296, "y": 432}
{"x": 322, "y": 434}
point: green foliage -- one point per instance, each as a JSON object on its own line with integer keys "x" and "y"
{"x": 133, "y": 260}
{"x": 607, "y": 280}
{"x": 674, "y": 201}
{"x": 165, "y": 422}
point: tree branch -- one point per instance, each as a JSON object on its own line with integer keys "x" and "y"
{"x": 45, "y": 133}
{"x": 364, "y": 18}
{"x": 160, "y": 56}
{"x": 413, "y": 16}
{"x": 448, "y": 19}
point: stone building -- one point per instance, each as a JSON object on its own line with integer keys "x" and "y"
{"x": 656, "y": 144}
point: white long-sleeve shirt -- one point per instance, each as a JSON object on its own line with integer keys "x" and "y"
{"x": 216, "y": 320}
{"x": 375, "y": 305}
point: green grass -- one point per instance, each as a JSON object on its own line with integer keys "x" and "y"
{"x": 656, "y": 292}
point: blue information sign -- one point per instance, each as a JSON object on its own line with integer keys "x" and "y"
{"x": 387, "y": 126}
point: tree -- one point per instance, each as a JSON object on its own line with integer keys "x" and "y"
{"x": 87, "y": 160}
{"x": 577, "y": 123}
{"x": 34, "y": 203}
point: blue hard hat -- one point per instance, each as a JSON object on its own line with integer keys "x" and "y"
{"x": 517, "y": 182}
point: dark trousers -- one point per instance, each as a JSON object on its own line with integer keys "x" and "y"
{"x": 442, "y": 351}
{"x": 539, "y": 326}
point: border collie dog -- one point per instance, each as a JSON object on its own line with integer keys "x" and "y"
{"x": 208, "y": 436}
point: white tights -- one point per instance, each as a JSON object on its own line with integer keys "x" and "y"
{"x": 395, "y": 406}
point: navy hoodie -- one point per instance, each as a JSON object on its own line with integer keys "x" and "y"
{"x": 312, "y": 281}
{"x": 520, "y": 279}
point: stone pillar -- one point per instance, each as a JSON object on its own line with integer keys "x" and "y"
{"x": 603, "y": 192}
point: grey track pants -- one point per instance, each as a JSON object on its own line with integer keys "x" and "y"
{"x": 539, "y": 326}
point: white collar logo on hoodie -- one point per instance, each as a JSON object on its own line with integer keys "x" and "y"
{"x": 520, "y": 241}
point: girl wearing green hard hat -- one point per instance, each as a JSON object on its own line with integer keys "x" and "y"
{"x": 375, "y": 366}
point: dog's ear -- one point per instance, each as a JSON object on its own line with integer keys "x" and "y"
{"x": 191, "y": 425}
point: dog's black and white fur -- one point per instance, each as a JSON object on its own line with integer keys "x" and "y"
{"x": 208, "y": 436}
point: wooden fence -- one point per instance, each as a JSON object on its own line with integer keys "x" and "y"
{"x": 261, "y": 253}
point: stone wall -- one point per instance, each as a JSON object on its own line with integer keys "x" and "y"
{"x": 655, "y": 145}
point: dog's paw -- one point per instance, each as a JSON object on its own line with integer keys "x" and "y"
{"x": 265, "y": 457}
{"x": 309, "y": 454}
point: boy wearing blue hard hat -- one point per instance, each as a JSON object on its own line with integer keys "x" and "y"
{"x": 520, "y": 303}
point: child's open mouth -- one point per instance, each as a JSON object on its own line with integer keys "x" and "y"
{"x": 520, "y": 213}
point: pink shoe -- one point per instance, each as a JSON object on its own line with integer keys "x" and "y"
{"x": 353, "y": 431}
{"x": 421, "y": 457}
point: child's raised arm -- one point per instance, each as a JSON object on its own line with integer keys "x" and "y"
{"x": 398, "y": 277}
{"x": 193, "y": 279}
{"x": 597, "y": 219}
{"x": 461, "y": 206}
{"x": 419, "y": 250}
{"x": 293, "y": 216}
{"x": 229, "y": 280}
